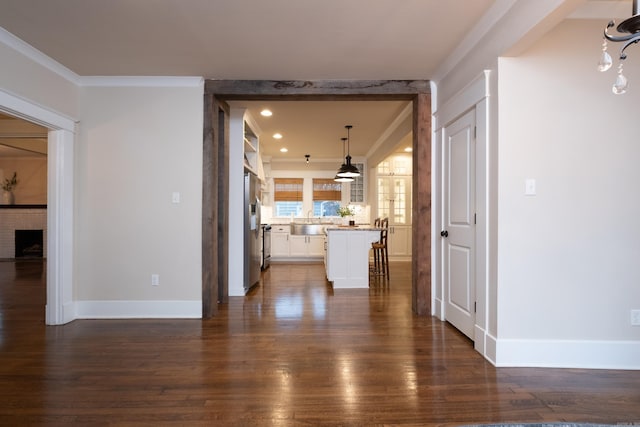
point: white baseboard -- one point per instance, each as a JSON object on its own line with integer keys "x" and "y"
{"x": 568, "y": 354}
{"x": 138, "y": 309}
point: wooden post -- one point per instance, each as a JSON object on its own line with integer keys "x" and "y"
{"x": 421, "y": 229}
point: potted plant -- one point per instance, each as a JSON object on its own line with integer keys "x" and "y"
{"x": 344, "y": 212}
{"x": 7, "y": 189}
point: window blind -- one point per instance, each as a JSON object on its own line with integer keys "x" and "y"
{"x": 287, "y": 189}
{"x": 326, "y": 189}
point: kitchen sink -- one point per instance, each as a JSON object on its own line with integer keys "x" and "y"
{"x": 305, "y": 228}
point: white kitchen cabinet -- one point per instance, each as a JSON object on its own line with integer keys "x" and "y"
{"x": 316, "y": 246}
{"x": 347, "y": 261}
{"x": 280, "y": 241}
{"x": 306, "y": 246}
{"x": 399, "y": 241}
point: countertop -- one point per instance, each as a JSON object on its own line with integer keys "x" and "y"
{"x": 352, "y": 228}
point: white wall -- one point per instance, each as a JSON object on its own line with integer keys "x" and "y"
{"x": 568, "y": 257}
{"x": 137, "y": 146}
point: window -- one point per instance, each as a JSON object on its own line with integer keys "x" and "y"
{"x": 326, "y": 197}
{"x": 287, "y": 196}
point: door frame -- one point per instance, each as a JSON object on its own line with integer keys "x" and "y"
{"x": 60, "y": 168}
{"x": 216, "y": 176}
{"x": 477, "y": 95}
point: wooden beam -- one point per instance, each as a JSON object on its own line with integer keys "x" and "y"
{"x": 421, "y": 229}
{"x": 217, "y": 91}
{"x": 317, "y": 89}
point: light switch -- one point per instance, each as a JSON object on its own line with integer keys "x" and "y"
{"x": 530, "y": 187}
{"x": 175, "y": 197}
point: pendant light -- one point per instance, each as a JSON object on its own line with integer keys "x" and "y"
{"x": 339, "y": 178}
{"x": 347, "y": 169}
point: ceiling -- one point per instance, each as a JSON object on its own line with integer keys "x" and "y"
{"x": 316, "y": 127}
{"x": 19, "y": 138}
{"x": 262, "y": 40}
{"x": 246, "y": 39}
{"x": 257, "y": 39}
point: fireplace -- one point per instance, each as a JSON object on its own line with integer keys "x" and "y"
{"x": 29, "y": 244}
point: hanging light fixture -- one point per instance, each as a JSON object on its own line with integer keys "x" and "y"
{"x": 339, "y": 178}
{"x": 629, "y": 33}
{"x": 347, "y": 169}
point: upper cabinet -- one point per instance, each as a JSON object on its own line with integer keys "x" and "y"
{"x": 245, "y": 142}
{"x": 250, "y": 149}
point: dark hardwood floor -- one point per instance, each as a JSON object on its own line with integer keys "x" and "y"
{"x": 292, "y": 353}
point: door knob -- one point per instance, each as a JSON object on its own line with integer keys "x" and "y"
{"x": 444, "y": 233}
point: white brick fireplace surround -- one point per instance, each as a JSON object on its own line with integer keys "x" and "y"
{"x": 18, "y": 218}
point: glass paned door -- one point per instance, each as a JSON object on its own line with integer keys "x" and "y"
{"x": 384, "y": 197}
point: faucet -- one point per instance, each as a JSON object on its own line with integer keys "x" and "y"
{"x": 309, "y": 212}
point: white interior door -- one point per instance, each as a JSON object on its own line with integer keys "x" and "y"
{"x": 458, "y": 235}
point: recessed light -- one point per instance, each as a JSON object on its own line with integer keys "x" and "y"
{"x": 266, "y": 113}
{"x": 408, "y": 150}
{"x": 283, "y": 150}
{"x": 277, "y": 135}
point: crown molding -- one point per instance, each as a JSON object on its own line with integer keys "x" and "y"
{"x": 36, "y": 56}
{"x": 141, "y": 81}
{"x": 474, "y": 37}
{"x": 55, "y": 67}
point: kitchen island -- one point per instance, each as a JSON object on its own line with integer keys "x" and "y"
{"x": 347, "y": 256}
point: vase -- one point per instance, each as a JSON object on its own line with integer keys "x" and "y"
{"x": 7, "y": 198}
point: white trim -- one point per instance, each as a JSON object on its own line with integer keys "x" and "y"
{"x": 472, "y": 96}
{"x": 490, "y": 347}
{"x": 32, "y": 112}
{"x": 138, "y": 309}
{"x": 568, "y": 354}
{"x": 140, "y": 81}
{"x": 60, "y": 161}
{"x": 464, "y": 100}
{"x": 36, "y": 56}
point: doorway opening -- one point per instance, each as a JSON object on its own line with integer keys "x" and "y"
{"x": 216, "y": 148}
{"x": 59, "y": 236}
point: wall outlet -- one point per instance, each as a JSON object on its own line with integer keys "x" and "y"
{"x": 635, "y": 317}
{"x": 155, "y": 280}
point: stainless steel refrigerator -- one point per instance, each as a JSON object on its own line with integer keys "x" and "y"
{"x": 252, "y": 256}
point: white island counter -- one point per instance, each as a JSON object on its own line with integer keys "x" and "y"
{"x": 347, "y": 257}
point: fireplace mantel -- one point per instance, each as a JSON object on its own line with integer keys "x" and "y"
{"x": 23, "y": 206}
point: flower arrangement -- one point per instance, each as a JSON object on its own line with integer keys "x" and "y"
{"x": 10, "y": 184}
{"x": 346, "y": 211}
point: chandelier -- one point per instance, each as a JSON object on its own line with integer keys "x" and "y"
{"x": 628, "y": 33}
{"x": 347, "y": 170}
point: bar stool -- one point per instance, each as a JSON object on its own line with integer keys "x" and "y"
{"x": 380, "y": 252}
